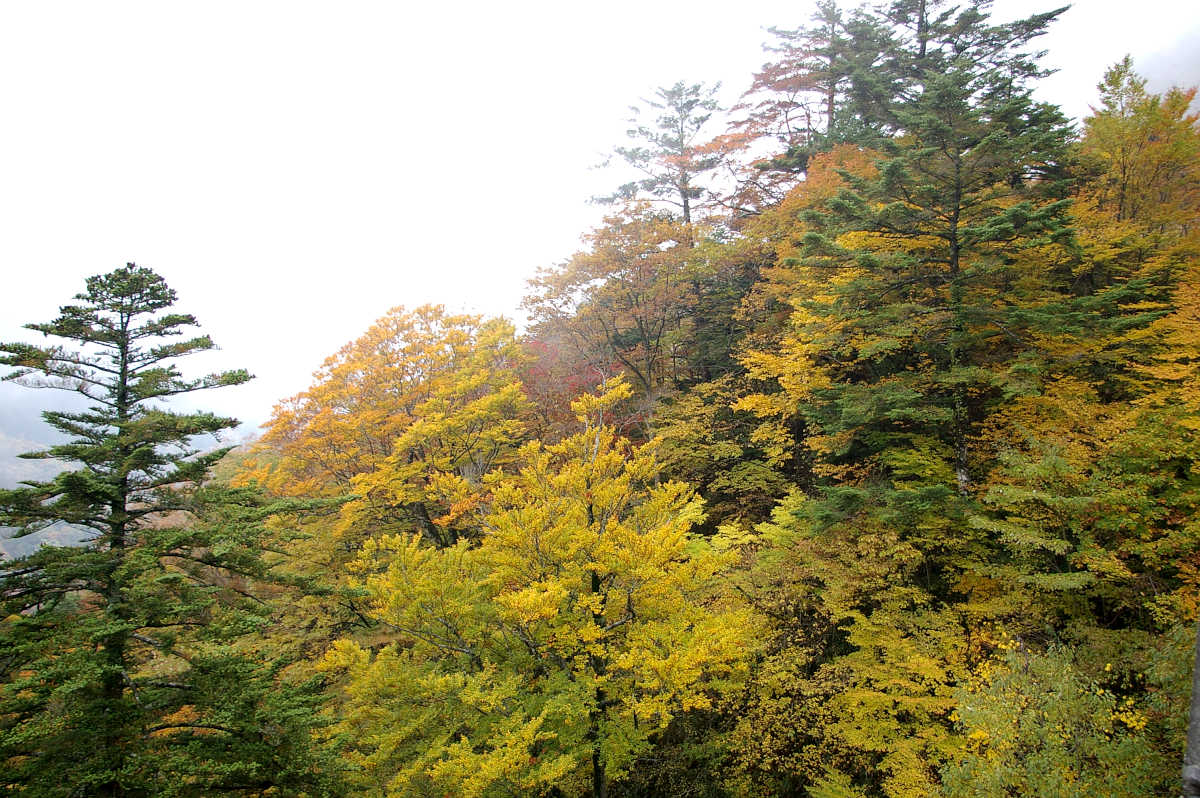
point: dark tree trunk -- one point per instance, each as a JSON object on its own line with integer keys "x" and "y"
{"x": 1191, "y": 757}
{"x": 599, "y": 777}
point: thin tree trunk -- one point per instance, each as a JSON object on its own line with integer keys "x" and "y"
{"x": 922, "y": 31}
{"x": 599, "y": 777}
{"x": 115, "y": 645}
{"x": 1191, "y": 757}
{"x": 429, "y": 529}
{"x": 599, "y": 780}
{"x": 961, "y": 429}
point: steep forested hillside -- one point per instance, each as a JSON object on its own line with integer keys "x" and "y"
{"x": 856, "y": 454}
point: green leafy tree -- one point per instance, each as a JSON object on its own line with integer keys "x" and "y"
{"x": 118, "y": 675}
{"x": 1035, "y": 725}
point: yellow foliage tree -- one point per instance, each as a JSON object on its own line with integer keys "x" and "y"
{"x": 400, "y": 425}
{"x": 582, "y": 623}
{"x": 858, "y": 671}
{"x": 407, "y": 418}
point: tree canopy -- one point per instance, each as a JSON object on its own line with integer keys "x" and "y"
{"x": 854, "y": 454}
{"x": 119, "y": 676}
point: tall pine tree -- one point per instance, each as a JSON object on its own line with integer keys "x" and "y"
{"x": 117, "y": 676}
{"x": 931, "y": 274}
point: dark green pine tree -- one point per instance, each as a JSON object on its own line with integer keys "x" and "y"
{"x": 933, "y": 280}
{"x": 118, "y": 670}
{"x": 963, "y": 228}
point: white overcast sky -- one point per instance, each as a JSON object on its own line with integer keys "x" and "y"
{"x": 294, "y": 169}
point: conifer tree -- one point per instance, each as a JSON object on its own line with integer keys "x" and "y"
{"x": 929, "y": 246}
{"x": 796, "y": 98}
{"x": 116, "y": 679}
{"x": 667, "y": 152}
{"x": 930, "y": 276}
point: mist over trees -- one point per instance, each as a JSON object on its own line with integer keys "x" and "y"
{"x": 854, "y": 455}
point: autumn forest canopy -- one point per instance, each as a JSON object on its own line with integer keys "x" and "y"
{"x": 856, "y": 454}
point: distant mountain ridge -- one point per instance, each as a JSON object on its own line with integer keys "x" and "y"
{"x": 59, "y": 534}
